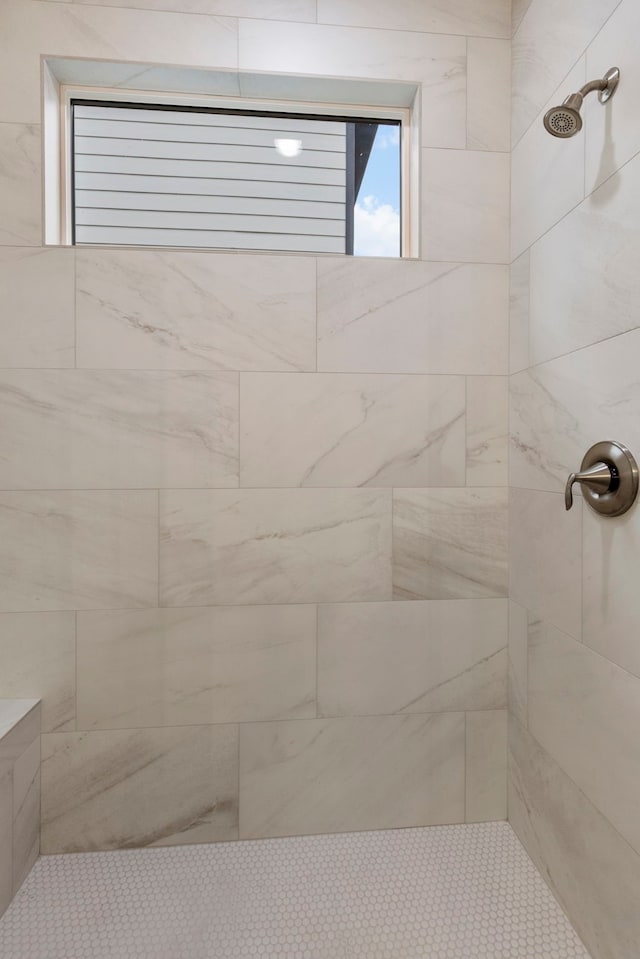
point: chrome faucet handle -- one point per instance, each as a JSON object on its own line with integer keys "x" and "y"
{"x": 598, "y": 478}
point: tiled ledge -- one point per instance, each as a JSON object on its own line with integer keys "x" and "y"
{"x": 19, "y": 793}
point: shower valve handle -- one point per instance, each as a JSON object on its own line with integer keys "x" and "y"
{"x": 598, "y": 477}
{"x": 609, "y": 477}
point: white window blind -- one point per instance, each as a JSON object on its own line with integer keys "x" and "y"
{"x": 166, "y": 177}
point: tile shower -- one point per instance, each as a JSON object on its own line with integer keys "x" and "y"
{"x": 254, "y": 508}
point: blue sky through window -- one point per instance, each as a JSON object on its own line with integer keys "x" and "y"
{"x": 377, "y": 209}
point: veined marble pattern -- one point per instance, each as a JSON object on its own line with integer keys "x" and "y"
{"x": 592, "y": 870}
{"x": 465, "y": 206}
{"x": 472, "y": 17}
{"x": 63, "y": 550}
{"x": 487, "y": 430}
{"x": 458, "y": 892}
{"x": 411, "y": 657}
{"x": 395, "y": 316}
{"x": 36, "y": 321}
{"x": 38, "y": 660}
{"x": 274, "y": 546}
{"x": 548, "y": 42}
{"x": 108, "y": 430}
{"x": 450, "y": 544}
{"x": 20, "y": 190}
{"x": 519, "y": 314}
{"x": 333, "y": 775}
{"x": 486, "y": 765}
{"x": 598, "y": 299}
{"x": 610, "y": 599}
{"x": 195, "y": 310}
{"x": 544, "y": 557}
{"x": 584, "y": 711}
{"x": 488, "y": 94}
{"x": 559, "y": 409}
{"x": 613, "y": 136}
{"x": 170, "y": 667}
{"x": 332, "y": 429}
{"x": 547, "y": 174}
{"x": 517, "y": 671}
{"x": 304, "y": 10}
{"x": 139, "y": 787}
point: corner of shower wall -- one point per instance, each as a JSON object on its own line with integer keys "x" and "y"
{"x": 574, "y": 686}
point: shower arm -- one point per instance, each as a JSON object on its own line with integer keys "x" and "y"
{"x": 593, "y": 86}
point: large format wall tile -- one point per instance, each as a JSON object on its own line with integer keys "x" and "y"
{"x": 547, "y": 174}
{"x": 488, "y": 94}
{"x": 486, "y": 765}
{"x": 591, "y": 869}
{"x": 487, "y": 430}
{"x": 438, "y": 62}
{"x": 193, "y": 310}
{"x": 465, "y": 206}
{"x": 610, "y": 595}
{"x": 473, "y": 17}
{"x": 559, "y": 409}
{"x": 518, "y": 10}
{"x": 79, "y": 550}
{"x": 82, "y": 429}
{"x": 613, "y": 135}
{"x": 519, "y": 314}
{"x": 585, "y": 712}
{"x": 337, "y": 775}
{"x": 20, "y": 190}
{"x": 517, "y": 671}
{"x": 550, "y": 39}
{"x": 394, "y": 316}
{"x": 37, "y": 316}
{"x": 26, "y": 812}
{"x": 139, "y": 787}
{"x": 331, "y": 429}
{"x": 544, "y": 554}
{"x": 274, "y": 546}
{"x": 6, "y": 836}
{"x": 170, "y": 667}
{"x": 416, "y": 657}
{"x": 449, "y": 544}
{"x": 38, "y": 661}
{"x": 304, "y": 10}
{"x": 102, "y": 33}
{"x": 597, "y": 296}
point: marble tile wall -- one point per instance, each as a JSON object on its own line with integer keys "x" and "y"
{"x": 253, "y": 507}
{"x": 19, "y": 793}
{"x": 574, "y": 664}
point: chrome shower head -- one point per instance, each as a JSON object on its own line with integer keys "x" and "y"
{"x": 565, "y": 121}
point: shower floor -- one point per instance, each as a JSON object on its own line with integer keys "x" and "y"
{"x": 444, "y": 892}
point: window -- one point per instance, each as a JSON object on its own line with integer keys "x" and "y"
{"x": 165, "y": 175}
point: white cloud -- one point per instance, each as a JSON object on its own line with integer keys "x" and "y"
{"x": 387, "y": 137}
{"x": 376, "y": 228}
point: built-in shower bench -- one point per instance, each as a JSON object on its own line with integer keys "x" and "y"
{"x": 19, "y": 793}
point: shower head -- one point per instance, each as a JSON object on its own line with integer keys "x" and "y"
{"x": 565, "y": 121}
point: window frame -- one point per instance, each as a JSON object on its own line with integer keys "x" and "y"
{"x": 59, "y": 154}
{"x": 162, "y": 106}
